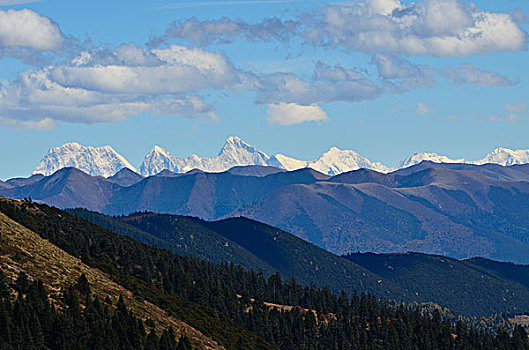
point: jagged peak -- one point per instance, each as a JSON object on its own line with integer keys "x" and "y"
{"x": 234, "y": 143}
{"x": 504, "y": 150}
{"x": 235, "y": 140}
{"x": 70, "y": 145}
{"x": 158, "y": 150}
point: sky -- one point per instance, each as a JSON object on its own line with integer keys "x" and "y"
{"x": 385, "y": 78}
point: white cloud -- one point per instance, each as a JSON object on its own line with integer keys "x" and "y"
{"x": 35, "y": 100}
{"x": 174, "y": 70}
{"x": 332, "y": 84}
{"x": 43, "y": 124}
{"x": 442, "y": 28}
{"x": 26, "y": 28}
{"x": 226, "y": 30}
{"x": 101, "y": 85}
{"x": 468, "y": 74}
{"x": 514, "y": 113}
{"x": 335, "y": 74}
{"x": 291, "y": 113}
{"x": 402, "y": 75}
{"x": 420, "y": 108}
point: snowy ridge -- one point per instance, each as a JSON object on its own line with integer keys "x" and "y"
{"x": 235, "y": 152}
{"x": 104, "y": 161}
{"x": 416, "y": 158}
{"x": 337, "y": 161}
{"x": 96, "y": 161}
{"x": 505, "y": 157}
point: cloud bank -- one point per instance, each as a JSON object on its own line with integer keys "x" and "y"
{"x": 80, "y": 83}
{"x": 441, "y": 28}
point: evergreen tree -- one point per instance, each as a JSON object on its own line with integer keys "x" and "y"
{"x": 82, "y": 285}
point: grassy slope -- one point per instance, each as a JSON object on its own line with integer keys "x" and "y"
{"x": 77, "y": 235}
{"x": 24, "y": 250}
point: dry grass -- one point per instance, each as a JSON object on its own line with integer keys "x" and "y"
{"x": 24, "y": 250}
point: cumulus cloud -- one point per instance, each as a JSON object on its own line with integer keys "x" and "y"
{"x": 26, "y": 28}
{"x": 468, "y": 74}
{"x": 87, "y": 91}
{"x": 335, "y": 74}
{"x": 442, "y": 28}
{"x": 174, "y": 70}
{"x": 291, "y": 113}
{"x": 107, "y": 85}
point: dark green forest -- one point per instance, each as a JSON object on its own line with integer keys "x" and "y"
{"x": 31, "y": 321}
{"x": 227, "y": 302}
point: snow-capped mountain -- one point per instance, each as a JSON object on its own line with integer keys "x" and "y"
{"x": 418, "y": 157}
{"x": 104, "y": 161}
{"x": 284, "y": 162}
{"x": 337, "y": 161}
{"x": 235, "y": 152}
{"x": 333, "y": 162}
{"x": 157, "y": 160}
{"x": 505, "y": 157}
{"x": 96, "y": 161}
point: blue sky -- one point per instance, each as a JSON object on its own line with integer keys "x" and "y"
{"x": 385, "y": 78}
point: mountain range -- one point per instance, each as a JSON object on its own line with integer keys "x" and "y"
{"x": 458, "y": 210}
{"x": 426, "y": 280}
{"x": 106, "y": 162}
{"x": 408, "y": 277}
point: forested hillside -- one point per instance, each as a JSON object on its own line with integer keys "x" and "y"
{"x": 477, "y": 287}
{"x": 30, "y": 321}
{"x": 242, "y": 309}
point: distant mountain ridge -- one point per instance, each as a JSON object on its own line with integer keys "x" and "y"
{"x": 407, "y": 277}
{"x": 106, "y": 162}
{"x": 459, "y": 210}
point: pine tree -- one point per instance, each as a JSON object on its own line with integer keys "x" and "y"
{"x": 5, "y": 291}
{"x": 82, "y": 285}
{"x": 184, "y": 343}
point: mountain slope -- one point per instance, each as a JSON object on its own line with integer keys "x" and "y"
{"x": 270, "y": 249}
{"x": 462, "y": 286}
{"x": 183, "y": 235}
{"x": 125, "y": 177}
{"x": 322, "y": 319}
{"x": 24, "y": 250}
{"x": 452, "y": 283}
{"x": 66, "y": 188}
{"x": 160, "y": 277}
{"x": 96, "y": 161}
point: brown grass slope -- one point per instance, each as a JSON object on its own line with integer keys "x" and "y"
{"x": 24, "y": 250}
